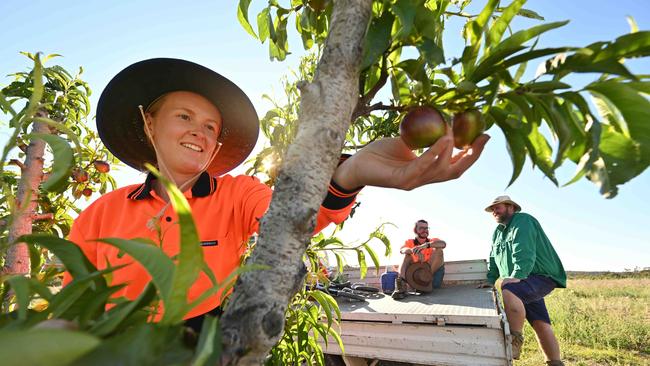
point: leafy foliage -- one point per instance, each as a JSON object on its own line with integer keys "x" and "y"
{"x": 82, "y": 322}
{"x": 124, "y": 332}
{"x": 58, "y": 99}
{"x": 545, "y": 118}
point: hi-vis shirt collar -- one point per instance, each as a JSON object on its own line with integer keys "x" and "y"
{"x": 204, "y": 186}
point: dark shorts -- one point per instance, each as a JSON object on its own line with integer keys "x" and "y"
{"x": 531, "y": 292}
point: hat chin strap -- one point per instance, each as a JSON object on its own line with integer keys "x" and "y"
{"x": 153, "y": 222}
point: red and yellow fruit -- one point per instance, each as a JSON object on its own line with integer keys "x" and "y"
{"x": 80, "y": 175}
{"x": 422, "y": 127}
{"x": 102, "y": 166}
{"x": 467, "y": 126}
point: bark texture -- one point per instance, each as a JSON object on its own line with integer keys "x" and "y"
{"x": 17, "y": 260}
{"x": 254, "y": 320}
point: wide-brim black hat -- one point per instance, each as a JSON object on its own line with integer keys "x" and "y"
{"x": 120, "y": 124}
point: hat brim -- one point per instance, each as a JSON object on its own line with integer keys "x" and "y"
{"x": 419, "y": 276}
{"x": 511, "y": 202}
{"x": 120, "y": 124}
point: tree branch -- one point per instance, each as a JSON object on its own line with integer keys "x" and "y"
{"x": 17, "y": 260}
{"x": 254, "y": 320}
{"x": 43, "y": 217}
{"x": 18, "y": 163}
{"x": 360, "y": 109}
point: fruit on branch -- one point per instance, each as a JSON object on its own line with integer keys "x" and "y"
{"x": 102, "y": 166}
{"x": 467, "y": 126}
{"x": 80, "y": 175}
{"x": 422, "y": 127}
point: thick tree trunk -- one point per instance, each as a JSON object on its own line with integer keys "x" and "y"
{"x": 254, "y": 320}
{"x": 17, "y": 260}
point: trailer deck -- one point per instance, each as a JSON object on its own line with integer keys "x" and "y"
{"x": 458, "y": 324}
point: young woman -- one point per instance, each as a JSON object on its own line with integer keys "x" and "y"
{"x": 195, "y": 126}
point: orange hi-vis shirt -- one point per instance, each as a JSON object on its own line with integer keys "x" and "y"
{"x": 426, "y": 253}
{"x": 226, "y": 211}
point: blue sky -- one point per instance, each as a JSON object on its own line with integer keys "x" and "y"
{"x": 588, "y": 231}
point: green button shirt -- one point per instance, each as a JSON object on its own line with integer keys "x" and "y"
{"x": 521, "y": 249}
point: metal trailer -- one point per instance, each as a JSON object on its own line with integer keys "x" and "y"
{"x": 458, "y": 324}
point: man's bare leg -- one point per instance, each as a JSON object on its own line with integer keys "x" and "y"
{"x": 437, "y": 260}
{"x": 405, "y": 264}
{"x": 516, "y": 313}
{"x": 546, "y": 339}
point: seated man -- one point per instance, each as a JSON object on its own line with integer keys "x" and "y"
{"x": 421, "y": 249}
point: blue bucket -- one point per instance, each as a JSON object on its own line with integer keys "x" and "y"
{"x": 388, "y": 281}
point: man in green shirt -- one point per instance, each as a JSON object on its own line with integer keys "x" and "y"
{"x": 523, "y": 257}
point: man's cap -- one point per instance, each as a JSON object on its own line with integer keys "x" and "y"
{"x": 419, "y": 276}
{"x": 503, "y": 199}
{"x": 120, "y": 125}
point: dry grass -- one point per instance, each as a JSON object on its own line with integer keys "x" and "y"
{"x": 598, "y": 322}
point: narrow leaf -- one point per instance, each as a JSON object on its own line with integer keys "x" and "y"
{"x": 190, "y": 258}
{"x": 377, "y": 39}
{"x": 54, "y": 346}
{"x": 242, "y": 16}
{"x": 501, "y": 24}
{"x": 153, "y": 259}
{"x": 63, "y": 161}
{"x": 634, "y": 108}
{"x": 511, "y": 45}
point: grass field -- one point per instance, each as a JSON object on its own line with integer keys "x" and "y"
{"x": 598, "y": 321}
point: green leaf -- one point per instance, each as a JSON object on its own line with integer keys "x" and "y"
{"x": 69, "y": 253}
{"x": 5, "y": 106}
{"x": 477, "y": 26}
{"x": 515, "y": 140}
{"x": 609, "y": 113}
{"x": 473, "y": 31}
{"x": 545, "y": 86}
{"x": 116, "y": 316}
{"x": 377, "y": 39}
{"x": 541, "y": 157}
{"x": 634, "y": 108}
{"x": 152, "y": 258}
{"x": 54, "y": 347}
{"x": 501, "y": 24}
{"x": 431, "y": 52}
{"x": 633, "y": 26}
{"x": 319, "y": 296}
{"x": 37, "y": 92}
{"x": 95, "y": 307}
{"x": 68, "y": 297}
{"x": 208, "y": 349}
{"x": 264, "y": 23}
{"x": 242, "y": 16}
{"x": 363, "y": 267}
{"x": 400, "y": 86}
{"x": 620, "y": 161}
{"x": 405, "y": 11}
{"x": 190, "y": 258}
{"x": 21, "y": 288}
{"x": 143, "y": 344}
{"x": 559, "y": 126}
{"x": 373, "y": 256}
{"x": 510, "y": 46}
{"x": 62, "y": 128}
{"x": 530, "y": 14}
{"x": 63, "y": 161}
{"x": 626, "y": 46}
